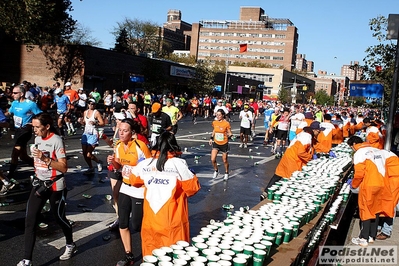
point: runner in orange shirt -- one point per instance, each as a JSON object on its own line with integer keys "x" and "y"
{"x": 73, "y": 98}
{"x": 220, "y": 142}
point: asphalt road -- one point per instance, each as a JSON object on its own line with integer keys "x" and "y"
{"x": 250, "y": 170}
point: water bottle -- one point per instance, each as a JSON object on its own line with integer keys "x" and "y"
{"x": 228, "y": 206}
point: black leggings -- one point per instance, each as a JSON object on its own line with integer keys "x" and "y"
{"x": 34, "y": 206}
{"x": 368, "y": 228}
{"x": 127, "y": 205}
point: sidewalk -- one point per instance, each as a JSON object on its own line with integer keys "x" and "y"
{"x": 354, "y": 231}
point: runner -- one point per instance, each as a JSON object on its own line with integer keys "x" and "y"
{"x": 220, "y": 142}
{"x": 63, "y": 105}
{"x": 194, "y": 108}
{"x": 91, "y": 118}
{"x": 147, "y": 103}
{"x": 174, "y": 114}
{"x": 246, "y": 117}
{"x": 73, "y": 99}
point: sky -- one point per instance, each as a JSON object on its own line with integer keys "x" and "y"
{"x": 331, "y": 33}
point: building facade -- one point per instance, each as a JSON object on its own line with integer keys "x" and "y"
{"x": 271, "y": 80}
{"x": 270, "y": 41}
{"x": 353, "y": 71}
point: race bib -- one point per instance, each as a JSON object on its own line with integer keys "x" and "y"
{"x": 17, "y": 121}
{"x": 156, "y": 128}
{"x": 219, "y": 136}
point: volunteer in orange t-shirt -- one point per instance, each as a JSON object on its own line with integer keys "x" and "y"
{"x": 299, "y": 153}
{"x": 220, "y": 142}
{"x": 168, "y": 183}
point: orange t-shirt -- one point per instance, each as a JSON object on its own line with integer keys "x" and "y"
{"x": 72, "y": 95}
{"x": 220, "y": 129}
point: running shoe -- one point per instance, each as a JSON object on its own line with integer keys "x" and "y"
{"x": 69, "y": 251}
{"x": 114, "y": 225}
{"x": 100, "y": 166}
{"x": 24, "y": 263}
{"x": 241, "y": 145}
{"x": 360, "y": 241}
{"x": 371, "y": 240}
{"x": 226, "y": 177}
{"x": 245, "y": 145}
{"x": 89, "y": 171}
{"x": 6, "y": 188}
{"x": 215, "y": 174}
{"x": 128, "y": 260}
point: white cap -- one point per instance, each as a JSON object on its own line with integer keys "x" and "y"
{"x": 68, "y": 84}
{"x": 58, "y": 90}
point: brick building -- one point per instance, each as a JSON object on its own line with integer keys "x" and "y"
{"x": 272, "y": 41}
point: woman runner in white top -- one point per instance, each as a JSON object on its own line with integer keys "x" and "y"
{"x": 91, "y": 118}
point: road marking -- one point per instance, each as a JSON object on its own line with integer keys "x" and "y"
{"x": 103, "y": 218}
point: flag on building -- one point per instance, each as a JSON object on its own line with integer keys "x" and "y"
{"x": 243, "y": 47}
{"x": 378, "y": 68}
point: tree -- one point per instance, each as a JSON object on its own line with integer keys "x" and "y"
{"x": 204, "y": 79}
{"x": 379, "y": 63}
{"x": 142, "y": 36}
{"x": 322, "y": 98}
{"x": 82, "y": 35}
{"x": 284, "y": 95}
{"x": 183, "y": 59}
{"x": 122, "y": 42}
{"x": 37, "y": 22}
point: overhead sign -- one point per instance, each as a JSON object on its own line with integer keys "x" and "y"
{"x": 371, "y": 90}
{"x": 182, "y": 72}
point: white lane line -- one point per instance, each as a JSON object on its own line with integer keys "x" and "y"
{"x": 104, "y": 218}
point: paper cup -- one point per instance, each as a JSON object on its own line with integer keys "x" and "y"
{"x": 224, "y": 263}
{"x": 165, "y": 263}
{"x": 178, "y": 252}
{"x": 287, "y": 233}
{"x": 183, "y": 243}
{"x": 179, "y": 262}
{"x": 279, "y": 237}
{"x": 164, "y": 258}
{"x": 268, "y": 245}
{"x": 158, "y": 252}
{"x": 212, "y": 258}
{"x": 206, "y": 252}
{"x": 258, "y": 257}
{"x": 168, "y": 250}
{"x": 197, "y": 263}
{"x": 147, "y": 264}
{"x": 201, "y": 259}
{"x": 239, "y": 261}
{"x": 295, "y": 228}
{"x": 249, "y": 250}
{"x": 150, "y": 259}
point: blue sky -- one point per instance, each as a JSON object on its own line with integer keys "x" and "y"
{"x": 331, "y": 33}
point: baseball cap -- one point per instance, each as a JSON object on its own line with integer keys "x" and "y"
{"x": 156, "y": 107}
{"x": 220, "y": 101}
{"x": 92, "y": 101}
{"x": 68, "y": 84}
{"x": 316, "y": 125}
{"x": 58, "y": 90}
{"x": 246, "y": 106}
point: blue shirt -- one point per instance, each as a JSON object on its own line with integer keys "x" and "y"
{"x": 23, "y": 112}
{"x": 62, "y": 103}
{"x": 268, "y": 116}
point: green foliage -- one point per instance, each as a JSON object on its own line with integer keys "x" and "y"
{"x": 37, "y": 22}
{"x": 186, "y": 60}
{"x": 141, "y": 36}
{"x": 203, "y": 82}
{"x": 122, "y": 42}
{"x": 381, "y": 54}
{"x": 322, "y": 98}
{"x": 284, "y": 95}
